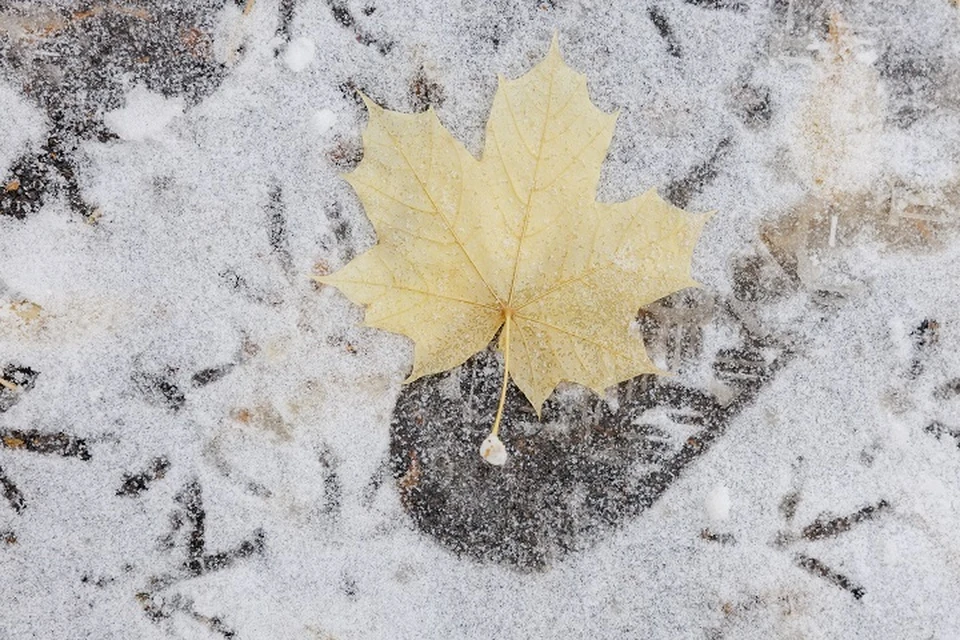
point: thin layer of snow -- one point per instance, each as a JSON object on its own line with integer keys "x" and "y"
{"x": 183, "y": 272}
{"x": 717, "y": 503}
{"x": 20, "y": 125}
{"x": 299, "y": 54}
{"x": 145, "y": 116}
{"x": 323, "y": 121}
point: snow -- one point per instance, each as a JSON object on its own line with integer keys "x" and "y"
{"x": 20, "y": 125}
{"x": 717, "y": 503}
{"x": 145, "y": 116}
{"x": 180, "y": 324}
{"x": 323, "y": 121}
{"x": 300, "y": 53}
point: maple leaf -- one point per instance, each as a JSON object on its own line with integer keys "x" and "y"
{"x": 515, "y": 242}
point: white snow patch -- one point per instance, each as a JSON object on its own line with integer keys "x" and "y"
{"x": 300, "y": 53}
{"x": 145, "y": 116}
{"x": 717, "y": 503}
{"x": 20, "y": 123}
{"x": 323, "y": 121}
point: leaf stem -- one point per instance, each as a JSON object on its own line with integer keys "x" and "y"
{"x": 506, "y": 372}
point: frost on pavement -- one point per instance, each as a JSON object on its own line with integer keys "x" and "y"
{"x": 197, "y": 442}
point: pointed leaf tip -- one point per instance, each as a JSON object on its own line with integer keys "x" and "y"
{"x": 368, "y": 102}
{"x": 554, "y": 50}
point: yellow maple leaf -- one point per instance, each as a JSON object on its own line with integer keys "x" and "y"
{"x": 515, "y": 241}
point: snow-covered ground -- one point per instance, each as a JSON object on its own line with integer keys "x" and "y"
{"x": 196, "y": 441}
